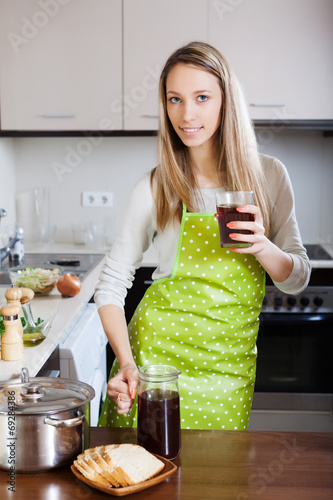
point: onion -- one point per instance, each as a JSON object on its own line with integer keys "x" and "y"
{"x": 69, "y": 285}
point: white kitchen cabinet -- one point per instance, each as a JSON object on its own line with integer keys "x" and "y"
{"x": 153, "y": 29}
{"x": 281, "y": 51}
{"x": 94, "y": 65}
{"x": 61, "y": 64}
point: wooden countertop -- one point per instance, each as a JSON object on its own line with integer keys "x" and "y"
{"x": 226, "y": 465}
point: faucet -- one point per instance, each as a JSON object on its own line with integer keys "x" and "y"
{"x": 4, "y": 252}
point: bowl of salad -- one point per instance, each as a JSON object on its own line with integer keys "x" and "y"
{"x": 41, "y": 279}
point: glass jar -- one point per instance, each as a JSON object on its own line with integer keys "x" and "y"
{"x": 159, "y": 410}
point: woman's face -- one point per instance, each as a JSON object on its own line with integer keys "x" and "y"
{"x": 194, "y": 103}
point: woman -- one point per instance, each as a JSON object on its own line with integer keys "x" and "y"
{"x": 201, "y": 312}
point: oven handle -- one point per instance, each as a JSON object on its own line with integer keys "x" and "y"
{"x": 296, "y": 318}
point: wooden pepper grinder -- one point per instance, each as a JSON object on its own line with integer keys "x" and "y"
{"x": 13, "y": 296}
{"x": 27, "y": 294}
{"x": 11, "y": 342}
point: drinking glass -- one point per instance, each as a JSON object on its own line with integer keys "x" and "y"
{"x": 226, "y": 206}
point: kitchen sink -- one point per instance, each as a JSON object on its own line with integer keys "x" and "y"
{"x": 4, "y": 278}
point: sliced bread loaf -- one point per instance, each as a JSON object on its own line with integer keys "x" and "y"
{"x": 96, "y": 462}
{"x": 132, "y": 462}
{"x": 109, "y": 468}
{"x": 118, "y": 465}
{"x": 91, "y": 474}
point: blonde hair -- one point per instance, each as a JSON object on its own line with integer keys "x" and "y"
{"x": 239, "y": 165}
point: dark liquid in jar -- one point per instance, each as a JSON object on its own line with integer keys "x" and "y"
{"x": 159, "y": 422}
{"x": 226, "y": 214}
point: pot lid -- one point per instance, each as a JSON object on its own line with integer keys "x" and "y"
{"x": 40, "y": 395}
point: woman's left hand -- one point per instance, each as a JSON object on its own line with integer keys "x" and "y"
{"x": 277, "y": 263}
{"x": 258, "y": 239}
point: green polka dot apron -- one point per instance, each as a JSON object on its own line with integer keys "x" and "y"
{"x": 204, "y": 320}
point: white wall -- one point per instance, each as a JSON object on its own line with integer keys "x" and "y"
{"x": 72, "y": 165}
{"x": 7, "y": 186}
{"x": 308, "y": 156}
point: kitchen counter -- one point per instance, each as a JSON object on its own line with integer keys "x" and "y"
{"x": 67, "y": 309}
{"x": 150, "y": 257}
{"x": 224, "y": 465}
{"x": 67, "y": 312}
{"x": 324, "y": 264}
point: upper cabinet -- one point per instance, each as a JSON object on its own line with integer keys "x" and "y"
{"x": 281, "y": 51}
{"x": 61, "y": 64}
{"x": 94, "y": 65}
{"x": 153, "y": 29}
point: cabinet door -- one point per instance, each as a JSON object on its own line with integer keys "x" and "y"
{"x": 61, "y": 66}
{"x": 281, "y": 51}
{"x": 153, "y": 29}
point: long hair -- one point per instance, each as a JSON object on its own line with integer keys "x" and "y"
{"x": 239, "y": 165}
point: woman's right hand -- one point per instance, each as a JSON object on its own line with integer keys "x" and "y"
{"x": 122, "y": 388}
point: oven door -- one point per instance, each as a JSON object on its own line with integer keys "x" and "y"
{"x": 295, "y": 353}
{"x": 294, "y": 381}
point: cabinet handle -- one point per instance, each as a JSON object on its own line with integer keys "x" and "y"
{"x": 57, "y": 116}
{"x": 261, "y": 105}
{"x": 150, "y": 116}
{"x": 148, "y": 282}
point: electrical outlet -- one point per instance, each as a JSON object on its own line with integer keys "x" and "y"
{"x": 98, "y": 199}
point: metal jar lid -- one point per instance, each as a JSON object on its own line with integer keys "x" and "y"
{"x": 43, "y": 395}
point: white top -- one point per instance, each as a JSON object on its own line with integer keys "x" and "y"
{"x": 138, "y": 231}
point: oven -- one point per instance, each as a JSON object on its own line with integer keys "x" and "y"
{"x": 294, "y": 382}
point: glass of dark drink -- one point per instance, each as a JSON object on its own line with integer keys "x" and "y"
{"x": 226, "y": 206}
{"x": 159, "y": 410}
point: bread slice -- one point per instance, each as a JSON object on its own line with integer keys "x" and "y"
{"x": 92, "y": 458}
{"x": 91, "y": 469}
{"x": 117, "y": 471}
{"x": 108, "y": 469}
{"x": 133, "y": 462}
{"x": 91, "y": 474}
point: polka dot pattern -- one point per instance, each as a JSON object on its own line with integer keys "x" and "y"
{"x": 204, "y": 320}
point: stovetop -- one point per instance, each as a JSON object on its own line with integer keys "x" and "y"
{"x": 317, "y": 298}
{"x": 317, "y": 252}
{"x": 78, "y": 264}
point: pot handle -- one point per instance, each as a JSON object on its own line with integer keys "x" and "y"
{"x": 70, "y": 422}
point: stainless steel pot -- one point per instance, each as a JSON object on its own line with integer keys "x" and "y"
{"x": 44, "y": 422}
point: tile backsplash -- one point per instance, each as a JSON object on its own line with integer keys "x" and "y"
{"x": 71, "y": 165}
